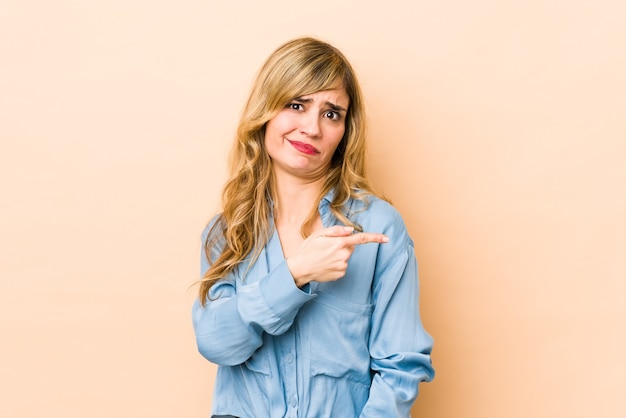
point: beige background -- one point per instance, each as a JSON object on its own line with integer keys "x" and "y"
{"x": 497, "y": 129}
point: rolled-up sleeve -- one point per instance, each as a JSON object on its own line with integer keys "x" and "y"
{"x": 230, "y": 327}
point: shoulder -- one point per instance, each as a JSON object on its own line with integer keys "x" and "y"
{"x": 381, "y": 207}
{"x": 214, "y": 226}
{"x": 376, "y": 209}
{"x": 377, "y": 215}
{"x": 213, "y": 234}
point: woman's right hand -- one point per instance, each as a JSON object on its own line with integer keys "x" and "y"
{"x": 323, "y": 256}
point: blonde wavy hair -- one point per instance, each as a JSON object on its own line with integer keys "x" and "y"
{"x": 297, "y": 68}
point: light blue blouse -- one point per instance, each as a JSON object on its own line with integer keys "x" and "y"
{"x": 355, "y": 347}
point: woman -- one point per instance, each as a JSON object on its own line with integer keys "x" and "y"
{"x": 309, "y": 296}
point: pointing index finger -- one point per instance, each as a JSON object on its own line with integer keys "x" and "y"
{"x": 366, "y": 238}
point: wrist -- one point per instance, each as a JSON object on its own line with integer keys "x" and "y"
{"x": 294, "y": 269}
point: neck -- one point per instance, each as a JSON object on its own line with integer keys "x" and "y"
{"x": 296, "y": 198}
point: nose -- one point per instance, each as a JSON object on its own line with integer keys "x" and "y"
{"x": 310, "y": 125}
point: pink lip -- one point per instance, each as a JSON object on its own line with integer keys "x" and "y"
{"x": 304, "y": 148}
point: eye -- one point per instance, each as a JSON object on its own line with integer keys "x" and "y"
{"x": 295, "y": 106}
{"x": 332, "y": 115}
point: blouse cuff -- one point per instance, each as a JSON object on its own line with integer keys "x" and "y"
{"x": 281, "y": 293}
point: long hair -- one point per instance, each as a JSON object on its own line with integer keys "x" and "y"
{"x": 297, "y": 68}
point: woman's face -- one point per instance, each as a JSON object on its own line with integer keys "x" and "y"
{"x": 302, "y": 138}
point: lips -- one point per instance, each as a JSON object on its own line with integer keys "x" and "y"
{"x": 304, "y": 148}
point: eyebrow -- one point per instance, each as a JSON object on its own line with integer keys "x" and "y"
{"x": 333, "y": 106}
